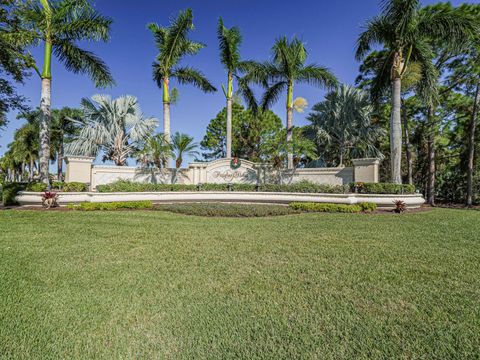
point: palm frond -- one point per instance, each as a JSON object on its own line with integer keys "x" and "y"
{"x": 188, "y": 75}
{"x": 377, "y": 31}
{"x": 318, "y": 76}
{"x": 229, "y": 41}
{"x": 77, "y": 20}
{"x": 272, "y": 94}
{"x": 82, "y": 61}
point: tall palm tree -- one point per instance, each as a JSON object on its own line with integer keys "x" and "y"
{"x": 344, "y": 119}
{"x": 183, "y": 145}
{"x": 116, "y": 127}
{"x": 285, "y": 70}
{"x": 60, "y": 25}
{"x": 173, "y": 45}
{"x": 229, "y": 43}
{"x": 404, "y": 30}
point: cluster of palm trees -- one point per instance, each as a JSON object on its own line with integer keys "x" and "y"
{"x": 408, "y": 33}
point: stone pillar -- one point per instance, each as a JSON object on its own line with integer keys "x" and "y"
{"x": 366, "y": 170}
{"x": 79, "y": 169}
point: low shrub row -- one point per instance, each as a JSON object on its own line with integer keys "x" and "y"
{"x": 112, "y": 205}
{"x": 69, "y": 187}
{"x": 300, "y": 187}
{"x": 228, "y": 210}
{"x": 333, "y": 208}
{"x": 382, "y": 188}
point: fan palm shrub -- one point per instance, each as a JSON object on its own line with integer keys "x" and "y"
{"x": 173, "y": 45}
{"x": 286, "y": 69}
{"x": 60, "y": 25}
{"x": 404, "y": 30}
{"x": 115, "y": 127}
{"x": 344, "y": 120}
{"x": 155, "y": 152}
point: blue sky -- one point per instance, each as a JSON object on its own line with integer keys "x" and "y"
{"x": 329, "y": 29}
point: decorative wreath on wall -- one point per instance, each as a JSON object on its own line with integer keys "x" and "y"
{"x": 235, "y": 163}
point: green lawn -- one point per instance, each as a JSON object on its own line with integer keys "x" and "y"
{"x": 151, "y": 284}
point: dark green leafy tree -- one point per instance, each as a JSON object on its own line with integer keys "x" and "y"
{"x": 173, "y": 45}
{"x": 60, "y": 25}
{"x": 250, "y": 130}
{"x": 14, "y": 60}
{"x": 464, "y": 76}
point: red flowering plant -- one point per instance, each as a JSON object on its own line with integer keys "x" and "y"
{"x": 49, "y": 199}
{"x": 400, "y": 206}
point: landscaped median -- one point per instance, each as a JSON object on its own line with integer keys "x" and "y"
{"x": 227, "y": 210}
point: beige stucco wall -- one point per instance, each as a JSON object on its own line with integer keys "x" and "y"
{"x": 366, "y": 170}
{"x": 79, "y": 169}
{"x": 219, "y": 171}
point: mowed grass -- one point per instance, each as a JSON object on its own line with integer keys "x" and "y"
{"x": 151, "y": 284}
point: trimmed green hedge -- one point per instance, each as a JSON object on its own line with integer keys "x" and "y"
{"x": 300, "y": 187}
{"x": 36, "y": 187}
{"x": 382, "y": 188}
{"x": 333, "y": 208}
{"x": 368, "y": 206}
{"x": 70, "y": 186}
{"x": 112, "y": 205}
{"x": 325, "y": 207}
{"x": 228, "y": 210}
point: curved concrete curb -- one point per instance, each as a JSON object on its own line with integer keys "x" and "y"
{"x": 383, "y": 201}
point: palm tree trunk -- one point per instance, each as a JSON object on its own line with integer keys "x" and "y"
{"x": 166, "y": 110}
{"x": 396, "y": 132}
{"x": 408, "y": 152}
{"x": 290, "y": 125}
{"x": 60, "y": 163}
{"x": 229, "y": 127}
{"x": 471, "y": 146}
{"x": 431, "y": 158}
{"x": 45, "y": 118}
{"x": 30, "y": 169}
{"x": 229, "y": 114}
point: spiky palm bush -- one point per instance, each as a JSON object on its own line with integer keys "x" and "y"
{"x": 115, "y": 127}
{"x": 155, "y": 152}
{"x": 343, "y": 119}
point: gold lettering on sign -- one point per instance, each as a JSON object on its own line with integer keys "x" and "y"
{"x": 227, "y": 175}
